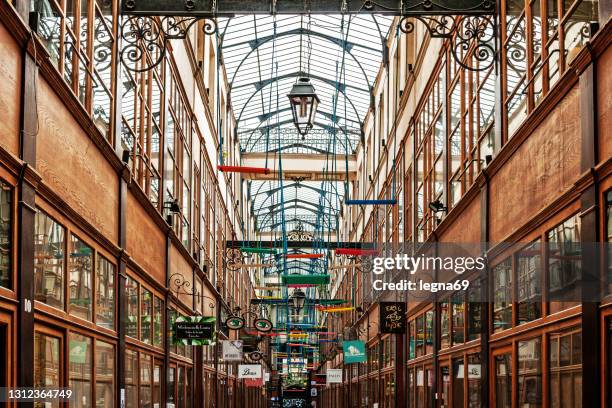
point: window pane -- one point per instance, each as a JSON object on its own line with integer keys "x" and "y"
{"x": 458, "y": 318}
{"x": 48, "y": 261}
{"x": 474, "y": 311}
{"x": 429, "y": 317}
{"x": 529, "y": 373}
{"x": 445, "y": 325}
{"x": 458, "y": 379}
{"x": 157, "y": 322}
{"x": 503, "y": 381}
{"x": 131, "y": 324}
{"x": 529, "y": 283}
{"x": 502, "y": 296}
{"x": 6, "y": 215}
{"x": 105, "y": 375}
{"x": 145, "y": 380}
{"x": 146, "y": 316}
{"x": 80, "y": 370}
{"x": 564, "y": 264}
{"x": 80, "y": 284}
{"x": 131, "y": 379}
{"x": 47, "y": 366}
{"x": 105, "y": 293}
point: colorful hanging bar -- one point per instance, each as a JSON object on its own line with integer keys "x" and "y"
{"x": 244, "y": 169}
{"x": 303, "y": 256}
{"x": 335, "y": 309}
{"x": 250, "y": 250}
{"x": 314, "y": 279}
{"x": 356, "y": 251}
{"x": 303, "y": 285}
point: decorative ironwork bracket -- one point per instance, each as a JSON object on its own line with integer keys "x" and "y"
{"x": 179, "y": 286}
{"x": 145, "y": 38}
{"x": 464, "y": 32}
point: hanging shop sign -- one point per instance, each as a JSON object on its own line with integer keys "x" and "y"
{"x": 194, "y": 330}
{"x": 392, "y": 317}
{"x": 334, "y": 376}
{"x": 232, "y": 350}
{"x": 249, "y": 371}
{"x": 254, "y": 382}
{"x": 354, "y": 351}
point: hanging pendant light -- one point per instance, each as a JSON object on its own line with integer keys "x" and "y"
{"x": 304, "y": 102}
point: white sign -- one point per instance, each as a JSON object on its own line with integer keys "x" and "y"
{"x": 313, "y": 392}
{"x": 252, "y": 371}
{"x": 473, "y": 371}
{"x": 420, "y": 378}
{"x": 266, "y": 377}
{"x": 232, "y": 350}
{"x": 334, "y": 375}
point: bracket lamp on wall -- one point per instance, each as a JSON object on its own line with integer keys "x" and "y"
{"x": 437, "y": 206}
{"x": 173, "y": 207}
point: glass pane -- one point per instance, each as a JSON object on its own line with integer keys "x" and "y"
{"x": 145, "y": 381}
{"x": 458, "y": 380}
{"x": 146, "y": 316}
{"x": 80, "y": 370}
{"x": 105, "y": 375}
{"x": 502, "y": 296}
{"x": 529, "y": 373}
{"x": 47, "y": 367}
{"x": 80, "y": 283}
{"x": 131, "y": 379}
{"x": 564, "y": 264}
{"x": 157, "y": 322}
{"x": 474, "y": 371}
{"x": 445, "y": 324}
{"x": 131, "y": 324}
{"x": 48, "y": 261}
{"x": 105, "y": 293}
{"x": 6, "y": 215}
{"x": 503, "y": 381}
{"x": 529, "y": 283}
{"x": 458, "y": 318}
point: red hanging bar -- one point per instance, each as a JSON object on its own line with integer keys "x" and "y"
{"x": 243, "y": 169}
{"x": 356, "y": 251}
{"x": 303, "y": 256}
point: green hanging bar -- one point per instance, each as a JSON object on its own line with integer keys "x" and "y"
{"x": 249, "y": 250}
{"x": 314, "y": 279}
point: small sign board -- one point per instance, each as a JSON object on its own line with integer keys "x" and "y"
{"x": 232, "y": 350}
{"x": 252, "y": 371}
{"x": 334, "y": 376}
{"x": 393, "y": 317}
{"x": 354, "y": 351}
{"x": 194, "y": 330}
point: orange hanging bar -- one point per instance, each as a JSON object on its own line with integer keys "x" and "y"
{"x": 303, "y": 256}
{"x": 355, "y": 251}
{"x": 243, "y": 169}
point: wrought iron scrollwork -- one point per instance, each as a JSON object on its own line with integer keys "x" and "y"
{"x": 145, "y": 38}
{"x": 233, "y": 258}
{"x": 179, "y": 286}
{"x": 470, "y": 36}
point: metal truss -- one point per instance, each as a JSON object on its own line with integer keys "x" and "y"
{"x": 150, "y": 24}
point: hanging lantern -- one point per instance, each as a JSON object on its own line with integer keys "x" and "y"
{"x": 304, "y": 102}
{"x": 298, "y": 298}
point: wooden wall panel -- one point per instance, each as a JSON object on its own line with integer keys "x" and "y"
{"x": 466, "y": 229}
{"x": 145, "y": 243}
{"x": 10, "y": 91}
{"x": 544, "y": 166}
{"x": 72, "y": 166}
{"x": 604, "y": 104}
{"x": 178, "y": 264}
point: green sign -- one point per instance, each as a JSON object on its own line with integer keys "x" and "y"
{"x": 194, "y": 330}
{"x": 354, "y": 351}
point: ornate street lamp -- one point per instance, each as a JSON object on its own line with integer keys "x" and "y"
{"x": 304, "y": 102}
{"x": 298, "y": 298}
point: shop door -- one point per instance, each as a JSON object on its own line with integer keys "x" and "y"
{"x": 503, "y": 389}
{"x": 444, "y": 379}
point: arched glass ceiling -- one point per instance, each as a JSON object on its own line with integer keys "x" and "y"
{"x": 342, "y": 56}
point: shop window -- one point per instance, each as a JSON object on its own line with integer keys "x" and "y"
{"x": 474, "y": 376}
{"x": 131, "y": 324}
{"x": 105, "y": 293}
{"x": 105, "y": 375}
{"x": 564, "y": 264}
{"x": 6, "y": 231}
{"x": 458, "y": 321}
{"x": 429, "y": 318}
{"x": 420, "y": 336}
{"x": 80, "y": 282}
{"x": 529, "y": 377}
{"x": 157, "y": 322}
{"x": 157, "y": 387}
{"x": 444, "y": 324}
{"x": 474, "y": 312}
{"x": 49, "y": 244}
{"x": 47, "y": 367}
{"x": 529, "y": 283}
{"x": 144, "y": 394}
{"x": 565, "y": 372}
{"x": 146, "y": 315}
{"x": 502, "y": 296}
{"x": 458, "y": 382}
{"x": 80, "y": 381}
{"x": 503, "y": 380}
{"x": 411, "y": 341}
{"x": 131, "y": 379}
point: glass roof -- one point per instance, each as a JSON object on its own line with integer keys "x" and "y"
{"x": 263, "y": 58}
